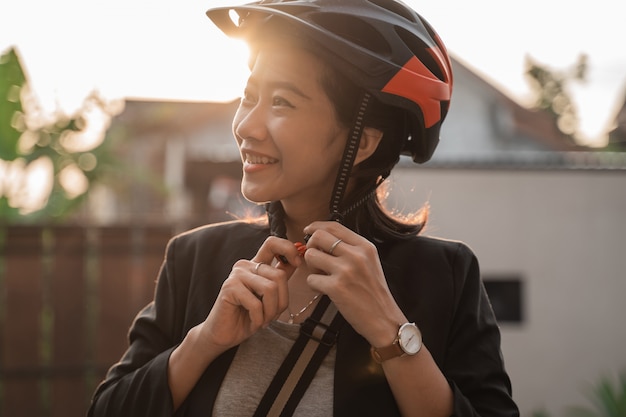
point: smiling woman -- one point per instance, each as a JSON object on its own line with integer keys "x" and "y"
{"x": 299, "y": 315}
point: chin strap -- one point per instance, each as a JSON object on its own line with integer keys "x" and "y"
{"x": 347, "y": 161}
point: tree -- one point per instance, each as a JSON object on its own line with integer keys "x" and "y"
{"x": 47, "y": 162}
{"x": 551, "y": 90}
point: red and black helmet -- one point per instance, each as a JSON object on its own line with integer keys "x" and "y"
{"x": 388, "y": 49}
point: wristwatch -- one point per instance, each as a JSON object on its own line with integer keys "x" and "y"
{"x": 408, "y": 341}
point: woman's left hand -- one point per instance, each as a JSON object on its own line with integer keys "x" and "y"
{"x": 350, "y": 273}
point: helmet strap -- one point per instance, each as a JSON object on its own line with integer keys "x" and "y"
{"x": 347, "y": 161}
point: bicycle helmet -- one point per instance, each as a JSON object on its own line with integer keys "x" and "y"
{"x": 389, "y": 51}
{"x": 383, "y": 45}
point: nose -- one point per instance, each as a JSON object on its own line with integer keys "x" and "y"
{"x": 249, "y": 123}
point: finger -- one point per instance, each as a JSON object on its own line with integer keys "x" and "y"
{"x": 328, "y": 243}
{"x": 277, "y": 248}
{"x": 259, "y": 300}
{"x": 245, "y": 297}
{"x": 321, "y": 262}
{"x": 320, "y": 283}
{"x": 256, "y": 267}
{"x": 332, "y": 248}
{"x": 254, "y": 305}
{"x": 334, "y": 229}
{"x": 269, "y": 284}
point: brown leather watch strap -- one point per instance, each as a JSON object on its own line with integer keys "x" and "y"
{"x": 387, "y": 352}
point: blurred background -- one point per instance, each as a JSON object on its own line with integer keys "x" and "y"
{"x": 115, "y": 135}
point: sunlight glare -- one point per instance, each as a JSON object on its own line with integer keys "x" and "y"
{"x": 27, "y": 187}
{"x": 73, "y": 181}
{"x": 92, "y": 135}
{"x": 226, "y": 65}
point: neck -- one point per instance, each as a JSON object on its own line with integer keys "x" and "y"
{"x": 297, "y": 217}
{"x": 300, "y": 214}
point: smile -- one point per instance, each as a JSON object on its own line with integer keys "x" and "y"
{"x": 259, "y": 159}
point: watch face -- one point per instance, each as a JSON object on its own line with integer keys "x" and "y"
{"x": 410, "y": 338}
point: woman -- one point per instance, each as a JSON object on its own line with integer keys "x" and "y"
{"x": 337, "y": 91}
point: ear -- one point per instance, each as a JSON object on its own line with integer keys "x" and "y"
{"x": 370, "y": 138}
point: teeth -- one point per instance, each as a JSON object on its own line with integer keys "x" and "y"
{"x": 255, "y": 159}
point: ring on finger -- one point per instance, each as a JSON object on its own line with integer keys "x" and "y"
{"x": 333, "y": 246}
{"x": 257, "y": 266}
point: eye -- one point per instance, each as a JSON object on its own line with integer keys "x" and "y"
{"x": 248, "y": 97}
{"x": 279, "y": 101}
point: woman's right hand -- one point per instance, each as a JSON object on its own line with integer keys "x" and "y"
{"x": 254, "y": 294}
{"x": 250, "y": 298}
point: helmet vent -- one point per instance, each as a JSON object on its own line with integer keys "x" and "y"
{"x": 353, "y": 30}
{"x": 396, "y": 8}
{"x": 420, "y": 50}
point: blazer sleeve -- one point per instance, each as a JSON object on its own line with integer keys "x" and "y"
{"x": 474, "y": 365}
{"x": 138, "y": 385}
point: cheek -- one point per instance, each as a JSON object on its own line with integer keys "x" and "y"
{"x": 336, "y": 144}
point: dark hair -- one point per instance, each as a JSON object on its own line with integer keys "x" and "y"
{"x": 369, "y": 216}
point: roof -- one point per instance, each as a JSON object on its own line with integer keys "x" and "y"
{"x": 538, "y": 125}
{"x": 145, "y": 117}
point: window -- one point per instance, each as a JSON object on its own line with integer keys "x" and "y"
{"x": 506, "y": 296}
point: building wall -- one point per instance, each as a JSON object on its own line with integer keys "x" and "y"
{"x": 563, "y": 233}
{"x": 468, "y": 123}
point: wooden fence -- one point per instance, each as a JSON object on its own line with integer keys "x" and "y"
{"x": 67, "y": 297}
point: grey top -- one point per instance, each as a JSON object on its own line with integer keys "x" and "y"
{"x": 256, "y": 363}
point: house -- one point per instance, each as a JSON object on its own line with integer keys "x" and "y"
{"x": 544, "y": 216}
{"x": 484, "y": 121}
{"x": 184, "y": 166}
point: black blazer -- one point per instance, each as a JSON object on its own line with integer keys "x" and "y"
{"x": 435, "y": 282}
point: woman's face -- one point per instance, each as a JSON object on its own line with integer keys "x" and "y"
{"x": 287, "y": 131}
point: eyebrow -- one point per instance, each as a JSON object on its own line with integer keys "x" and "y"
{"x": 290, "y": 87}
{"x": 285, "y": 85}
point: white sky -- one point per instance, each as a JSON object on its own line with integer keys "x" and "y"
{"x": 169, "y": 49}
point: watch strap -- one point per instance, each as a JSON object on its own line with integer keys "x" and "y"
{"x": 382, "y": 354}
{"x": 408, "y": 331}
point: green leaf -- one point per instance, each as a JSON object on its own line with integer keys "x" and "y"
{"x": 8, "y": 213}
{"x": 12, "y": 80}
{"x": 607, "y": 397}
{"x": 540, "y": 413}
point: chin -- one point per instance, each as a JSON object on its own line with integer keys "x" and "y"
{"x": 256, "y": 197}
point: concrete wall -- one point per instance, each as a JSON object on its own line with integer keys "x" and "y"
{"x": 564, "y": 233}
